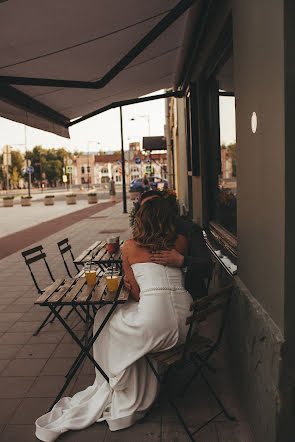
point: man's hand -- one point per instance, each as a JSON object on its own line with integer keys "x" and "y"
{"x": 127, "y": 283}
{"x": 170, "y": 258}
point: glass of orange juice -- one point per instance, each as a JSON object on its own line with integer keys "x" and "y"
{"x": 90, "y": 269}
{"x": 112, "y": 279}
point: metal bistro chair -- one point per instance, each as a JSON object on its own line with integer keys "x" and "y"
{"x": 38, "y": 254}
{"x": 65, "y": 247}
{"x": 197, "y": 351}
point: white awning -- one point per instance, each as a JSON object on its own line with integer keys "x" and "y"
{"x": 81, "y": 41}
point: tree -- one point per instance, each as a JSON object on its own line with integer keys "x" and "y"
{"x": 15, "y": 176}
{"x": 233, "y": 151}
{"x": 49, "y": 162}
{"x": 14, "y": 170}
{"x": 53, "y": 170}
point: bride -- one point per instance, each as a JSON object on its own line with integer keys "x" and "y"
{"x": 152, "y": 320}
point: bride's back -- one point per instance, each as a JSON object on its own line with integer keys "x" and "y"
{"x": 154, "y": 230}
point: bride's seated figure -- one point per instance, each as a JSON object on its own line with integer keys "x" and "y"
{"x": 152, "y": 320}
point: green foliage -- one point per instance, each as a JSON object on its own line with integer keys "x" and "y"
{"x": 49, "y": 162}
{"x": 233, "y": 150}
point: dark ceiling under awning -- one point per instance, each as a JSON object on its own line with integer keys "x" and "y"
{"x": 71, "y": 58}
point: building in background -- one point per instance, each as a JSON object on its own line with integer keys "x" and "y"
{"x": 100, "y": 168}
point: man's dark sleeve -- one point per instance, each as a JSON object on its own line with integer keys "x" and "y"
{"x": 198, "y": 258}
{"x": 198, "y": 263}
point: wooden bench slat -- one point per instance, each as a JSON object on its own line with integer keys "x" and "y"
{"x": 48, "y": 291}
{"x": 85, "y": 293}
{"x": 86, "y": 251}
{"x": 97, "y": 249}
{"x": 202, "y": 315}
{"x": 74, "y": 291}
{"x": 99, "y": 291}
{"x": 59, "y": 293}
{"x": 169, "y": 357}
{"x": 206, "y": 300}
{"x": 101, "y": 253}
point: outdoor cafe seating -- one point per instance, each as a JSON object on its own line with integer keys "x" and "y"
{"x": 85, "y": 299}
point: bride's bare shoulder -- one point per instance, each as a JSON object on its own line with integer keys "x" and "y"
{"x": 129, "y": 244}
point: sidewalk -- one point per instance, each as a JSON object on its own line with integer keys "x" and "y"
{"x": 32, "y": 369}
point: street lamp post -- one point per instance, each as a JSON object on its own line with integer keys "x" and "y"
{"x": 123, "y": 164}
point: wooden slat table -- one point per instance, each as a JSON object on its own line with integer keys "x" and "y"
{"x": 76, "y": 293}
{"x": 98, "y": 253}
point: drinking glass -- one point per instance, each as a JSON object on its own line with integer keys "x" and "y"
{"x": 90, "y": 269}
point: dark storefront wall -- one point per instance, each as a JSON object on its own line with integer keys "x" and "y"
{"x": 259, "y": 86}
{"x": 257, "y": 317}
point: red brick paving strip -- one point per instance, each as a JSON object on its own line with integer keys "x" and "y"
{"x": 24, "y": 238}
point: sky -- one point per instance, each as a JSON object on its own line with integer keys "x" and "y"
{"x": 102, "y": 132}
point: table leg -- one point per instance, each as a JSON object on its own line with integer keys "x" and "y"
{"x": 84, "y": 352}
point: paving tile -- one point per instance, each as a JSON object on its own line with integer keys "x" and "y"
{"x": 25, "y": 300}
{"x": 20, "y": 326}
{"x": 3, "y": 364}
{"x": 6, "y": 301}
{"x": 36, "y": 351}
{"x": 45, "y": 337}
{"x": 29, "y": 410}
{"x": 34, "y": 316}
{"x": 46, "y": 386}
{"x": 234, "y": 432}
{"x": 7, "y": 407}
{"x": 81, "y": 383}
{"x": 19, "y": 433}
{"x": 9, "y": 351}
{"x": 87, "y": 367}
{"x": 15, "y": 338}
{"x": 3, "y": 307}
{"x": 94, "y": 433}
{"x": 5, "y": 325}
{"x": 6, "y": 316}
{"x": 24, "y": 367}
{"x": 16, "y": 308}
{"x": 66, "y": 350}
{"x": 15, "y": 387}
{"x": 57, "y": 366}
{"x": 139, "y": 432}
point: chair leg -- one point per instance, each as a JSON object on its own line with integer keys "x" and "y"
{"x": 170, "y": 400}
{"x": 224, "y": 410}
{"x": 43, "y": 324}
{"x": 52, "y": 320}
{"x": 69, "y": 313}
{"x": 181, "y": 420}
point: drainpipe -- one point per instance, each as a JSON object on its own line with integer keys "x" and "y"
{"x": 168, "y": 142}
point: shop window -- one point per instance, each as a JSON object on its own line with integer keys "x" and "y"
{"x": 217, "y": 135}
{"x": 105, "y": 179}
{"x": 104, "y": 170}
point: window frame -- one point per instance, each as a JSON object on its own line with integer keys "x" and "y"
{"x": 217, "y": 235}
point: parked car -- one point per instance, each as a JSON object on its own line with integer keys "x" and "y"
{"x": 155, "y": 183}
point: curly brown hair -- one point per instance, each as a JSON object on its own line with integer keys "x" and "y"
{"x": 155, "y": 228}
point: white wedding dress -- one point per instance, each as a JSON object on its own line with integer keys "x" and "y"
{"x": 155, "y": 323}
